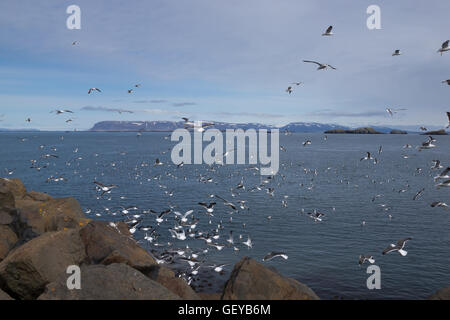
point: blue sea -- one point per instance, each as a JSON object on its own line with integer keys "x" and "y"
{"x": 327, "y": 176}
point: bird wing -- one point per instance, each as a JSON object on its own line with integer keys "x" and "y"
{"x": 329, "y": 29}
{"x": 331, "y": 67}
{"x": 389, "y": 249}
{"x": 448, "y": 115}
{"x": 445, "y": 44}
{"x": 401, "y": 243}
{"x": 309, "y": 61}
{"x": 445, "y": 172}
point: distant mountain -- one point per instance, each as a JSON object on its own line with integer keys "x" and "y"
{"x": 165, "y": 126}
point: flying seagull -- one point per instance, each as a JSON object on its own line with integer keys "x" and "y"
{"x": 94, "y": 89}
{"x": 448, "y": 116}
{"x": 273, "y": 254}
{"x": 62, "y": 111}
{"x": 396, "y": 53}
{"x": 328, "y": 31}
{"x": 363, "y": 258}
{"x": 439, "y": 204}
{"x": 446, "y": 81}
{"x": 397, "y": 247}
{"x": 322, "y": 66}
{"x": 392, "y": 111}
{"x": 444, "y": 47}
{"x": 289, "y": 90}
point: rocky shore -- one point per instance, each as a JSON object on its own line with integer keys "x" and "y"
{"x": 41, "y": 236}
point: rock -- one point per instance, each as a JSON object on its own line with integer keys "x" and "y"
{"x": 37, "y": 196}
{"x": 209, "y": 296}
{"x": 7, "y": 215}
{"x": 8, "y": 239}
{"x": 112, "y": 282}
{"x": 15, "y": 186}
{"x": 6, "y": 198}
{"x": 28, "y": 269}
{"x": 250, "y": 280}
{"x": 51, "y": 215}
{"x": 354, "y": 131}
{"x": 442, "y": 294}
{"x": 441, "y": 132}
{"x": 4, "y": 296}
{"x": 108, "y": 244}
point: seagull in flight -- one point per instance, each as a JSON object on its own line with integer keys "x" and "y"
{"x": 328, "y": 31}
{"x": 321, "y": 66}
{"x": 446, "y": 81}
{"x": 274, "y": 254}
{"x": 443, "y": 175}
{"x": 448, "y": 116}
{"x": 397, "y": 247}
{"x": 105, "y": 188}
{"x": 363, "y": 258}
{"x": 62, "y": 111}
{"x": 444, "y": 47}
{"x": 396, "y": 53}
{"x": 392, "y": 111}
{"x": 94, "y": 89}
{"x": 439, "y": 204}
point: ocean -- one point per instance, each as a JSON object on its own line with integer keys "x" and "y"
{"x": 326, "y": 176}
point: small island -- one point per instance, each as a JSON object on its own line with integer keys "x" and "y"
{"x": 354, "y": 131}
{"x": 435, "y": 133}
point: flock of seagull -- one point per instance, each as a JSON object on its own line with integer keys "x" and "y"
{"x": 182, "y": 226}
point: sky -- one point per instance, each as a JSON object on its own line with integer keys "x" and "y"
{"x": 223, "y": 61}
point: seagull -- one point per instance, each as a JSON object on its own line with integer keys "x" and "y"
{"x": 396, "y": 53}
{"x": 226, "y": 202}
{"x": 428, "y": 144}
{"x": 444, "y": 184}
{"x": 444, "y": 47}
{"x": 321, "y": 65}
{"x": 448, "y": 116}
{"x": 218, "y": 268}
{"x": 392, "y": 111}
{"x": 436, "y": 164}
{"x": 446, "y": 81}
{"x": 363, "y": 258}
{"x": 443, "y": 175}
{"x": 317, "y": 216}
{"x": 209, "y": 207}
{"x": 130, "y": 90}
{"x": 289, "y": 90}
{"x": 423, "y": 128}
{"x": 105, "y": 188}
{"x": 137, "y": 85}
{"x": 273, "y": 255}
{"x": 158, "y": 162}
{"x": 297, "y": 83}
{"x": 439, "y": 204}
{"x": 248, "y": 243}
{"x": 28, "y": 120}
{"x": 307, "y": 142}
{"x": 74, "y": 43}
{"x": 160, "y": 219}
{"x": 328, "y": 31}
{"x": 367, "y": 157}
{"x": 183, "y": 216}
{"x": 418, "y": 194}
{"x": 398, "y": 247}
{"x": 94, "y": 89}
{"x": 62, "y": 111}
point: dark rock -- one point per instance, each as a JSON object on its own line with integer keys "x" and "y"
{"x": 51, "y": 215}
{"x": 8, "y": 239}
{"x": 4, "y": 296}
{"x": 26, "y": 271}
{"x": 441, "y": 132}
{"x": 15, "y": 186}
{"x": 442, "y": 294}
{"x": 108, "y": 243}
{"x": 354, "y": 131}
{"x": 112, "y": 282}
{"x": 250, "y": 280}
{"x": 209, "y": 296}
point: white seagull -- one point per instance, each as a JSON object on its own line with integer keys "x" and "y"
{"x": 328, "y": 31}
{"x": 321, "y": 66}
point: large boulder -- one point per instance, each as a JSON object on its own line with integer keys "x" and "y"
{"x": 442, "y": 294}
{"x": 108, "y": 243}
{"x": 26, "y": 271}
{"x": 51, "y": 214}
{"x": 8, "y": 239}
{"x": 250, "y": 280}
{"x": 14, "y": 186}
{"x": 167, "y": 278}
{"x": 112, "y": 282}
{"x": 4, "y": 296}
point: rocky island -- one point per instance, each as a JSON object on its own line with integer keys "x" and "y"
{"x": 40, "y": 236}
{"x": 441, "y": 132}
{"x": 354, "y": 131}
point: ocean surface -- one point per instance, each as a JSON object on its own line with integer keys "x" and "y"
{"x": 327, "y": 176}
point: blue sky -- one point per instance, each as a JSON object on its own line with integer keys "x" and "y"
{"x": 222, "y": 60}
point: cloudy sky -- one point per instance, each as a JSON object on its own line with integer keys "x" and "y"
{"x": 223, "y": 60}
